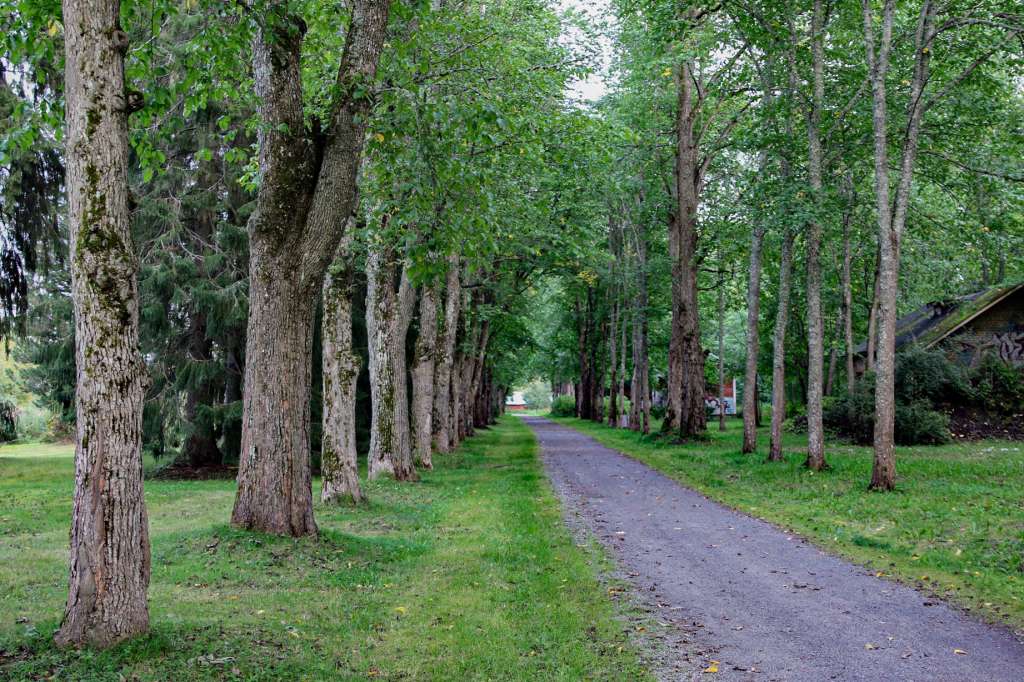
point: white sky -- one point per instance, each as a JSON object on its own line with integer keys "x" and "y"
{"x": 594, "y": 86}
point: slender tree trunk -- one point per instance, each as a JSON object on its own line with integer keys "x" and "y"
{"x": 753, "y": 342}
{"x": 441, "y": 419}
{"x": 620, "y": 389}
{"x": 110, "y": 558}
{"x": 307, "y": 191}
{"x": 872, "y": 347}
{"x": 340, "y": 375}
{"x": 892, "y": 216}
{"x": 389, "y": 302}
{"x": 613, "y": 393}
{"x": 779, "y": 349}
{"x": 815, "y": 326}
{"x": 721, "y": 353}
{"x": 423, "y": 378}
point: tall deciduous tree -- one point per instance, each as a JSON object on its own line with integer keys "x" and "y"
{"x": 307, "y": 190}
{"x": 110, "y": 558}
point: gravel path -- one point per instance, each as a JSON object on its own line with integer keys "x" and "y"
{"x": 763, "y": 603}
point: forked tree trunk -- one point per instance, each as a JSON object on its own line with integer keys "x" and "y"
{"x": 815, "y": 326}
{"x": 110, "y": 558}
{"x": 340, "y": 375}
{"x": 442, "y": 411}
{"x": 423, "y": 379}
{"x": 892, "y": 213}
{"x": 307, "y": 190}
{"x": 389, "y": 302}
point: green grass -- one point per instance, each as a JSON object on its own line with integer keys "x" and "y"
{"x": 468, "y": 574}
{"x": 954, "y": 527}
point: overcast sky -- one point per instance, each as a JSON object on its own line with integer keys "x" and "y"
{"x": 594, "y": 86}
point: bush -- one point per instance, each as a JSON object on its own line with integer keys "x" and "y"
{"x": 918, "y": 424}
{"x": 929, "y": 375}
{"x": 998, "y": 386}
{"x": 563, "y": 406}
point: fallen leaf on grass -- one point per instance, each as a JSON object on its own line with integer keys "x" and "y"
{"x": 713, "y": 668}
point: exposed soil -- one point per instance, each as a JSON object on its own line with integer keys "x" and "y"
{"x": 183, "y": 472}
{"x": 752, "y": 602}
{"x": 972, "y": 424}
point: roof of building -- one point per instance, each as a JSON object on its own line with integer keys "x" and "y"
{"x": 934, "y": 321}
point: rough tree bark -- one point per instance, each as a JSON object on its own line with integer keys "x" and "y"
{"x": 390, "y": 299}
{"x": 815, "y": 327}
{"x": 685, "y": 413}
{"x": 110, "y": 557}
{"x": 442, "y": 411}
{"x": 423, "y": 378}
{"x": 307, "y": 190}
{"x": 340, "y": 375}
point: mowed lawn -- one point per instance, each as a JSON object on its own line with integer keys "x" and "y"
{"x": 954, "y": 527}
{"x": 468, "y": 574}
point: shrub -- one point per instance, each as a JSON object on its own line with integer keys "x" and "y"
{"x": 998, "y": 386}
{"x": 918, "y": 424}
{"x": 8, "y": 421}
{"x": 852, "y": 417}
{"x": 931, "y": 376}
{"x": 563, "y": 406}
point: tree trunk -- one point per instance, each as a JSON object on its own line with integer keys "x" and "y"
{"x": 871, "y": 352}
{"x": 892, "y": 216}
{"x": 389, "y": 302}
{"x": 442, "y": 411}
{"x": 779, "y": 349}
{"x": 721, "y": 353}
{"x": 423, "y": 379}
{"x": 275, "y": 492}
{"x": 307, "y": 191}
{"x": 640, "y": 389}
{"x": 685, "y": 412}
{"x": 815, "y": 326}
{"x": 340, "y": 375}
{"x": 753, "y": 342}
{"x": 110, "y": 558}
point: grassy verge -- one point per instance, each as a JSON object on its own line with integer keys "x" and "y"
{"x": 468, "y": 574}
{"x": 954, "y": 527}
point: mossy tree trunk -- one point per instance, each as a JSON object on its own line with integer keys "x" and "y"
{"x": 340, "y": 374}
{"x": 389, "y": 305}
{"x": 441, "y": 419}
{"x": 423, "y": 379}
{"x": 307, "y": 191}
{"x": 110, "y": 555}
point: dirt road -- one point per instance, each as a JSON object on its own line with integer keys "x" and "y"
{"x": 763, "y": 603}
